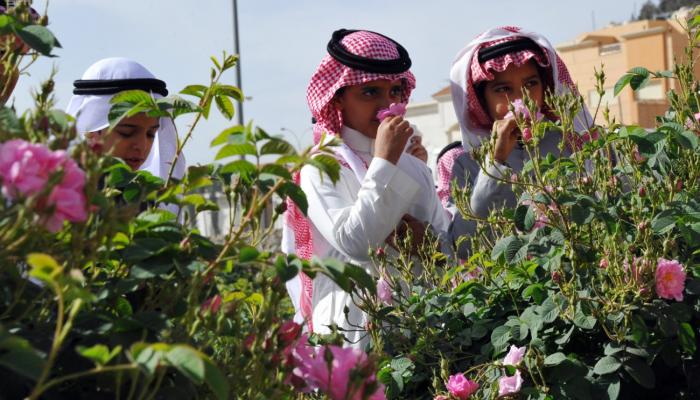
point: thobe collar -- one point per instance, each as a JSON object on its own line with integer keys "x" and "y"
{"x": 358, "y": 142}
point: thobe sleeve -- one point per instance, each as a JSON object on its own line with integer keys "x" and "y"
{"x": 353, "y": 221}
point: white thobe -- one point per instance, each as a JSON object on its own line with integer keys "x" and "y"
{"x": 352, "y": 216}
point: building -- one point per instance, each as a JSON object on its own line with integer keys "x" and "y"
{"x": 653, "y": 44}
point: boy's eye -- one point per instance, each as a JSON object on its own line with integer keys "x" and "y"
{"x": 124, "y": 134}
{"x": 369, "y": 91}
{"x": 532, "y": 83}
{"x": 151, "y": 134}
{"x": 396, "y": 91}
{"x": 502, "y": 89}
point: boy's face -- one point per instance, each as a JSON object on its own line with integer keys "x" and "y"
{"x": 509, "y": 85}
{"x": 360, "y": 104}
{"x": 131, "y": 140}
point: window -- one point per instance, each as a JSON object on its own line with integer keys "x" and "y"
{"x": 610, "y": 49}
{"x": 653, "y": 91}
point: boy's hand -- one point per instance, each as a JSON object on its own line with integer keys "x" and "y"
{"x": 507, "y": 134}
{"x": 392, "y": 135}
{"x": 408, "y": 225}
{"x": 416, "y": 149}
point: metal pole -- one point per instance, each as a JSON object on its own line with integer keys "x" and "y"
{"x": 237, "y": 51}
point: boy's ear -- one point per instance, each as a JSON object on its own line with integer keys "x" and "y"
{"x": 338, "y": 103}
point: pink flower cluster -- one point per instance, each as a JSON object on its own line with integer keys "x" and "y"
{"x": 395, "y": 109}
{"x": 25, "y": 171}
{"x": 340, "y": 373}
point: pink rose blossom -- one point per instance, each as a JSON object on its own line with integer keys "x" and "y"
{"x": 345, "y": 379}
{"x": 441, "y": 397}
{"x": 670, "y": 279}
{"x": 697, "y": 116}
{"x": 527, "y": 134}
{"x": 520, "y": 108}
{"x": 508, "y": 385}
{"x": 395, "y": 109}
{"x": 603, "y": 263}
{"x": 461, "y": 387}
{"x": 25, "y": 170}
{"x": 384, "y": 291}
{"x": 515, "y": 355}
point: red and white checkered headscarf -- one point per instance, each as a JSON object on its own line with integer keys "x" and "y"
{"x": 330, "y": 76}
{"x": 467, "y": 72}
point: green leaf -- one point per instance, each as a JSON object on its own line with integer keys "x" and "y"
{"x": 614, "y": 389}
{"x": 229, "y": 91}
{"x": 607, "y": 365}
{"x": 640, "y": 77}
{"x": 248, "y": 253}
{"x": 640, "y": 372}
{"x": 581, "y": 214}
{"x": 286, "y": 271}
{"x": 276, "y": 170}
{"x": 39, "y": 38}
{"x": 549, "y": 310}
{"x": 277, "y": 146}
{"x": 188, "y": 361}
{"x": 401, "y": 365}
{"x": 664, "y": 221}
{"x": 239, "y": 167}
{"x": 622, "y": 82}
{"x": 236, "y": 150}
{"x": 328, "y": 165}
{"x": 99, "y": 353}
{"x": 44, "y": 267}
{"x": 516, "y": 250}
{"x": 361, "y": 277}
{"x": 234, "y": 134}
{"x": 686, "y": 336}
{"x": 194, "y": 90}
{"x": 18, "y": 355}
{"x": 215, "y": 380}
{"x": 554, "y": 359}
{"x": 225, "y": 106}
{"x": 524, "y": 218}
{"x": 294, "y": 192}
{"x": 500, "y": 338}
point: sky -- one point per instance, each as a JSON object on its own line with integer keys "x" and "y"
{"x": 282, "y": 42}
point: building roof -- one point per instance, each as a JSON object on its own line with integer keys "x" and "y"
{"x": 442, "y": 92}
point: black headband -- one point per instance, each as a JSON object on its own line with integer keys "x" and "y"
{"x": 342, "y": 55}
{"x": 512, "y": 46}
{"x": 112, "y": 86}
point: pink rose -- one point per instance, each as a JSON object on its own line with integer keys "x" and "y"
{"x": 527, "y": 134}
{"x": 341, "y": 373}
{"x": 603, "y": 263}
{"x": 514, "y": 356}
{"x": 670, "y": 279}
{"x": 395, "y": 109}
{"x": 461, "y": 387}
{"x": 384, "y": 291}
{"x": 25, "y": 170}
{"x": 508, "y": 385}
{"x": 441, "y": 397}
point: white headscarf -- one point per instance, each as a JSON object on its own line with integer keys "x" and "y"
{"x": 91, "y": 114}
{"x": 472, "y": 133}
